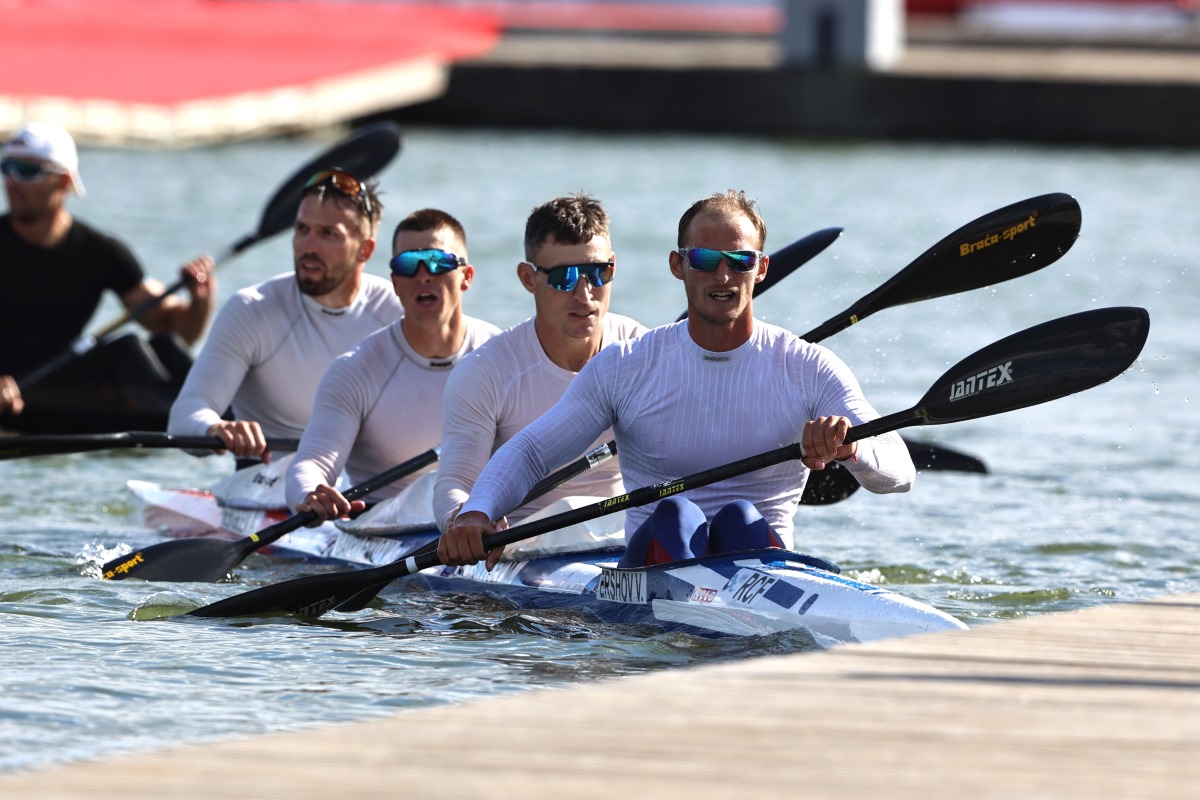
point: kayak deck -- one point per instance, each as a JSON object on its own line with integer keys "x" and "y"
{"x": 751, "y": 593}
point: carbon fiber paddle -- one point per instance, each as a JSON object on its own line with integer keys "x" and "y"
{"x": 208, "y": 559}
{"x": 364, "y": 153}
{"x": 1034, "y": 366}
{"x": 25, "y": 446}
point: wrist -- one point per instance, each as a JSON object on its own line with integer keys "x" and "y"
{"x": 471, "y": 518}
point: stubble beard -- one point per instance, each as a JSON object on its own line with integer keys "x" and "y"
{"x": 317, "y": 287}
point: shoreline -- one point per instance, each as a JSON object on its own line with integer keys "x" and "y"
{"x": 946, "y": 87}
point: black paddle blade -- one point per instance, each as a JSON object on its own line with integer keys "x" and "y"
{"x": 1005, "y": 244}
{"x": 795, "y": 255}
{"x": 364, "y": 154}
{"x": 1036, "y": 365}
{"x": 827, "y": 486}
{"x": 198, "y": 559}
{"x": 943, "y": 459}
{"x": 1042, "y": 363}
{"x": 310, "y": 596}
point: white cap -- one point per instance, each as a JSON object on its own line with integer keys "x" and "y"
{"x": 48, "y": 143}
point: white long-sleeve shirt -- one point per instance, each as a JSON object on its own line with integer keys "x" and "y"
{"x": 494, "y": 393}
{"x": 267, "y": 350}
{"x": 377, "y": 406}
{"x": 677, "y": 409}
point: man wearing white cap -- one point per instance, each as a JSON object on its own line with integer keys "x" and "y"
{"x": 55, "y": 268}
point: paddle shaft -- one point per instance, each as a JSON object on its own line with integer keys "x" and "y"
{"x": 274, "y": 532}
{"x": 588, "y": 461}
{"x": 364, "y": 153}
{"x": 210, "y": 559}
{"x": 87, "y": 342}
{"x": 1034, "y": 366}
{"x": 1027, "y": 368}
{"x": 22, "y": 446}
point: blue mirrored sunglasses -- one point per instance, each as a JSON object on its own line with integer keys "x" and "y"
{"x": 706, "y": 260}
{"x": 28, "y": 171}
{"x": 436, "y": 261}
{"x": 566, "y": 277}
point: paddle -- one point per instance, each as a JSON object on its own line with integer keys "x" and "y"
{"x": 589, "y": 460}
{"x": 1042, "y": 363}
{"x": 1007, "y": 243}
{"x": 364, "y": 153}
{"x": 835, "y": 483}
{"x": 207, "y": 559}
{"x": 23, "y": 446}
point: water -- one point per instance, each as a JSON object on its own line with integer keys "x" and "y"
{"x": 1090, "y": 499}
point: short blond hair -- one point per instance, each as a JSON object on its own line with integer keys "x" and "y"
{"x": 730, "y": 202}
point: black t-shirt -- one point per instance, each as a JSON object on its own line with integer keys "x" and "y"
{"x": 48, "y": 295}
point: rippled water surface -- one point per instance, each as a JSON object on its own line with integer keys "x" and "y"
{"x": 1091, "y": 499}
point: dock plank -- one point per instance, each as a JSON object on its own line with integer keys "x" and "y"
{"x": 1100, "y": 702}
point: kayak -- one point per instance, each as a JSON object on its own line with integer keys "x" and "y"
{"x": 127, "y": 384}
{"x": 750, "y": 593}
{"x": 184, "y": 513}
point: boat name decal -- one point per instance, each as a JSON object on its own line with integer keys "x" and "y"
{"x": 622, "y": 586}
{"x": 264, "y": 480}
{"x": 754, "y": 584}
{"x": 996, "y": 376}
{"x": 125, "y": 566}
{"x": 703, "y": 595}
{"x": 1006, "y": 235}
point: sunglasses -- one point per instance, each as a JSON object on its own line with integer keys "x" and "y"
{"x": 344, "y": 183}
{"x": 706, "y": 260}
{"x": 565, "y": 278}
{"x": 28, "y": 171}
{"x": 436, "y": 261}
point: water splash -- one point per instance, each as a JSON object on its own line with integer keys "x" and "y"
{"x": 95, "y": 555}
{"x": 162, "y": 605}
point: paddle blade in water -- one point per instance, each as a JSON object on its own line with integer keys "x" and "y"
{"x": 310, "y": 596}
{"x": 199, "y": 559}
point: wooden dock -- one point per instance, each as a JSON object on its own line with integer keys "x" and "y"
{"x": 1103, "y": 702}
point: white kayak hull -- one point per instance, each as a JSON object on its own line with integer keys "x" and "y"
{"x": 753, "y": 593}
{"x": 183, "y": 513}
